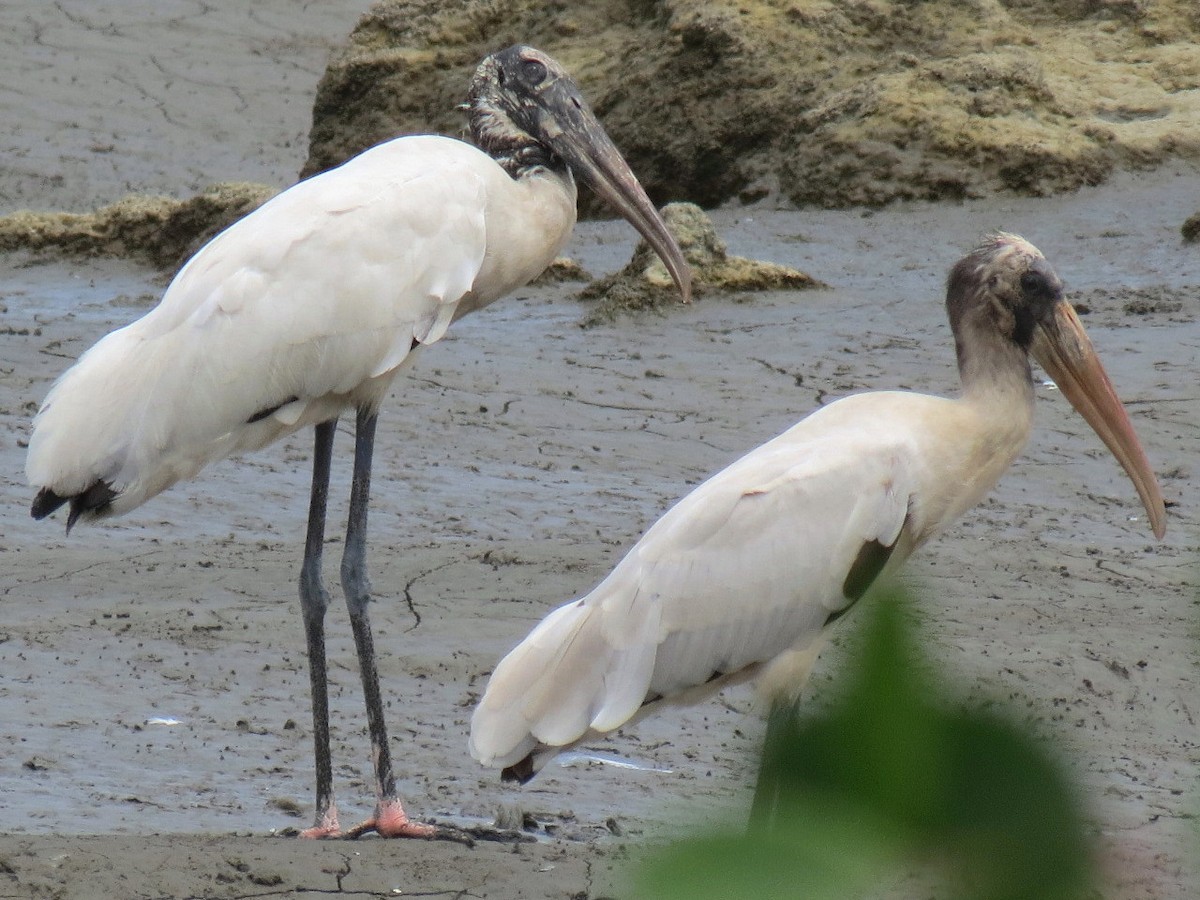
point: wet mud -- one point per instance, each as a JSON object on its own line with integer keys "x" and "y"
{"x": 153, "y": 707}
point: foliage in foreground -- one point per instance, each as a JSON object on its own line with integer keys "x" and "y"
{"x": 892, "y": 783}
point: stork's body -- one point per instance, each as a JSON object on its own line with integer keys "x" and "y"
{"x": 305, "y": 308}
{"x": 311, "y": 305}
{"x": 743, "y": 576}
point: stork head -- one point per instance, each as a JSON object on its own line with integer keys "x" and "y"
{"x": 527, "y": 112}
{"x": 1007, "y": 286}
{"x": 1005, "y": 290}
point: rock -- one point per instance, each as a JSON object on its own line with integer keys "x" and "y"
{"x": 1191, "y": 229}
{"x": 560, "y": 270}
{"x": 645, "y": 282}
{"x": 814, "y": 102}
{"x": 159, "y": 230}
{"x": 810, "y": 102}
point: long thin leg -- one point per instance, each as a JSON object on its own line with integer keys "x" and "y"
{"x": 390, "y": 820}
{"x": 770, "y": 795}
{"x": 772, "y": 775}
{"x": 314, "y": 600}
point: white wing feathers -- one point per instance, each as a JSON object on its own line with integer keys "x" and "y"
{"x": 305, "y": 306}
{"x": 748, "y": 566}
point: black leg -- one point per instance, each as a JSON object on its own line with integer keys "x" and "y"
{"x": 314, "y": 600}
{"x": 783, "y": 682}
{"x": 764, "y": 811}
{"x": 390, "y": 819}
{"x": 358, "y": 597}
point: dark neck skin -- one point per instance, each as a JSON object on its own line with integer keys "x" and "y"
{"x": 515, "y": 150}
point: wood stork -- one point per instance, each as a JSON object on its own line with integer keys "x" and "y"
{"x": 312, "y": 304}
{"x": 743, "y": 575}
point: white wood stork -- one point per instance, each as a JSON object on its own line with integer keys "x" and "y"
{"x": 743, "y": 575}
{"x": 312, "y": 304}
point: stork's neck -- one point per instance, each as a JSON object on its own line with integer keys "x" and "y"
{"x": 516, "y": 151}
{"x": 971, "y": 444}
{"x": 988, "y": 360}
{"x": 996, "y": 377}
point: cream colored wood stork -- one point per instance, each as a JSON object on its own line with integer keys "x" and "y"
{"x": 311, "y": 305}
{"x": 743, "y": 575}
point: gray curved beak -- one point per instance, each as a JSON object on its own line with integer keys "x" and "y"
{"x": 568, "y": 125}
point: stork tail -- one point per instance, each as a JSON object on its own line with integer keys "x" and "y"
{"x": 92, "y": 501}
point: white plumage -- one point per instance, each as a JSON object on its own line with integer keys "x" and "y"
{"x": 307, "y": 306}
{"x": 748, "y": 566}
{"x": 743, "y": 575}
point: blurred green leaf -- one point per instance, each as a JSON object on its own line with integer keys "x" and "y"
{"x": 892, "y": 780}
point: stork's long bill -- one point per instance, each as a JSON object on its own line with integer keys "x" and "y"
{"x": 546, "y": 103}
{"x": 591, "y": 154}
{"x": 1062, "y": 348}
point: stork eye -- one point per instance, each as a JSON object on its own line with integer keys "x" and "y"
{"x": 534, "y": 71}
{"x": 1035, "y": 284}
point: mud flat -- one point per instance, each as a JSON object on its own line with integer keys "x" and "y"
{"x": 522, "y": 456}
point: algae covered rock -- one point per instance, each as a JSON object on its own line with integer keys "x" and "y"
{"x": 813, "y": 102}
{"x": 562, "y": 269}
{"x": 645, "y": 283}
{"x": 828, "y": 103}
{"x": 159, "y": 230}
{"x": 1191, "y": 229}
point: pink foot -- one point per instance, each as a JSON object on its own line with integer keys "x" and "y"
{"x": 326, "y": 825}
{"x": 390, "y": 821}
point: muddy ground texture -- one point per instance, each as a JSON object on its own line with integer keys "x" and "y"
{"x": 153, "y": 705}
{"x": 155, "y": 682}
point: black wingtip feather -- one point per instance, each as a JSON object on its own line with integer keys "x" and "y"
{"x": 45, "y": 503}
{"x": 93, "y": 500}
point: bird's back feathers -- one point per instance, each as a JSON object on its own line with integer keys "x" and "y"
{"x": 306, "y": 306}
{"x": 748, "y": 567}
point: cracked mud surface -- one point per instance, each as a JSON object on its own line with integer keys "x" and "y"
{"x": 515, "y": 464}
